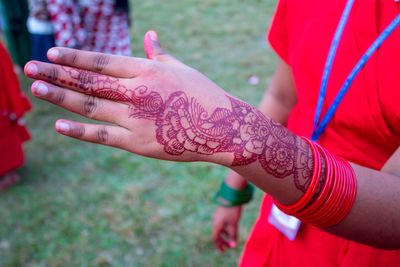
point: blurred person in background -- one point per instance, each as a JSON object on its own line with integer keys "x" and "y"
{"x": 106, "y": 23}
{"x": 41, "y": 29}
{"x": 14, "y": 15}
{"x": 13, "y": 133}
{"x": 67, "y": 23}
{"x": 92, "y": 25}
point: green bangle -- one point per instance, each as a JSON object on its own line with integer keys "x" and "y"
{"x": 233, "y": 197}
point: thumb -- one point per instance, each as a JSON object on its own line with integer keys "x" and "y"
{"x": 154, "y": 50}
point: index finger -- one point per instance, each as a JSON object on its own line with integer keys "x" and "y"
{"x": 113, "y": 65}
{"x": 87, "y": 82}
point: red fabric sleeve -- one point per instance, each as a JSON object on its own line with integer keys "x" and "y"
{"x": 278, "y": 35}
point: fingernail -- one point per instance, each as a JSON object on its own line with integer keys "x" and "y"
{"x": 52, "y": 54}
{"x": 41, "y": 89}
{"x": 62, "y": 126}
{"x": 31, "y": 69}
{"x": 153, "y": 36}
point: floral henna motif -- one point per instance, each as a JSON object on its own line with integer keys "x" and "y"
{"x": 184, "y": 125}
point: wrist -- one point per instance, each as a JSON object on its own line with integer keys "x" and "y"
{"x": 235, "y": 181}
{"x": 229, "y": 197}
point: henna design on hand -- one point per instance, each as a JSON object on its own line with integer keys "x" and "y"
{"x": 182, "y": 125}
{"x": 98, "y": 85}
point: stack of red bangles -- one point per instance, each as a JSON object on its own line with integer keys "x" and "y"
{"x": 336, "y": 196}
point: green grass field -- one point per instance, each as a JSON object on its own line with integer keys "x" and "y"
{"x": 81, "y": 204}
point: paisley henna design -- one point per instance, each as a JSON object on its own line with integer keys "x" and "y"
{"x": 184, "y": 125}
{"x": 147, "y": 104}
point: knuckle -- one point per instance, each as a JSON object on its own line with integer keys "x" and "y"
{"x": 157, "y": 48}
{"x": 86, "y": 80}
{"x": 90, "y": 105}
{"x": 146, "y": 65}
{"x": 52, "y": 74}
{"x": 59, "y": 96}
{"x": 102, "y": 135}
{"x": 79, "y": 131}
{"x": 69, "y": 57}
{"x": 160, "y": 55}
{"x": 100, "y": 62}
{"x": 158, "y": 52}
{"x": 73, "y": 58}
{"x": 153, "y": 69}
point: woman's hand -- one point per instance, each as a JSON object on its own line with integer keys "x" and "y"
{"x": 159, "y": 107}
{"x": 225, "y": 227}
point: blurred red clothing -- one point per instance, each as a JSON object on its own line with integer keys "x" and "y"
{"x": 365, "y": 129}
{"x": 13, "y": 105}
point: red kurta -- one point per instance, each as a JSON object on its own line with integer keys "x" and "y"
{"x": 13, "y": 105}
{"x": 365, "y": 129}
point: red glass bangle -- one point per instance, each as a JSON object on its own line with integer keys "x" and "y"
{"x": 333, "y": 200}
{"x": 346, "y": 195}
{"x": 305, "y": 199}
{"x": 335, "y": 207}
{"x": 322, "y": 212}
{"x": 350, "y": 193}
{"x": 314, "y": 206}
{"x": 336, "y": 197}
{"x": 350, "y": 196}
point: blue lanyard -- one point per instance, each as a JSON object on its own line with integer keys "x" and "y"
{"x": 318, "y": 129}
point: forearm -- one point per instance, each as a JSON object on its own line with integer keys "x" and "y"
{"x": 277, "y": 103}
{"x": 277, "y": 161}
{"x": 377, "y": 199}
{"x": 275, "y": 110}
{"x": 266, "y": 153}
{"x": 374, "y": 217}
{"x": 281, "y": 164}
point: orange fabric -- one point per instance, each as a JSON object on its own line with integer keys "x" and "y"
{"x": 13, "y": 105}
{"x": 365, "y": 129}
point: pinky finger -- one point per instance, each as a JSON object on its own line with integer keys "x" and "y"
{"x": 108, "y": 135}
